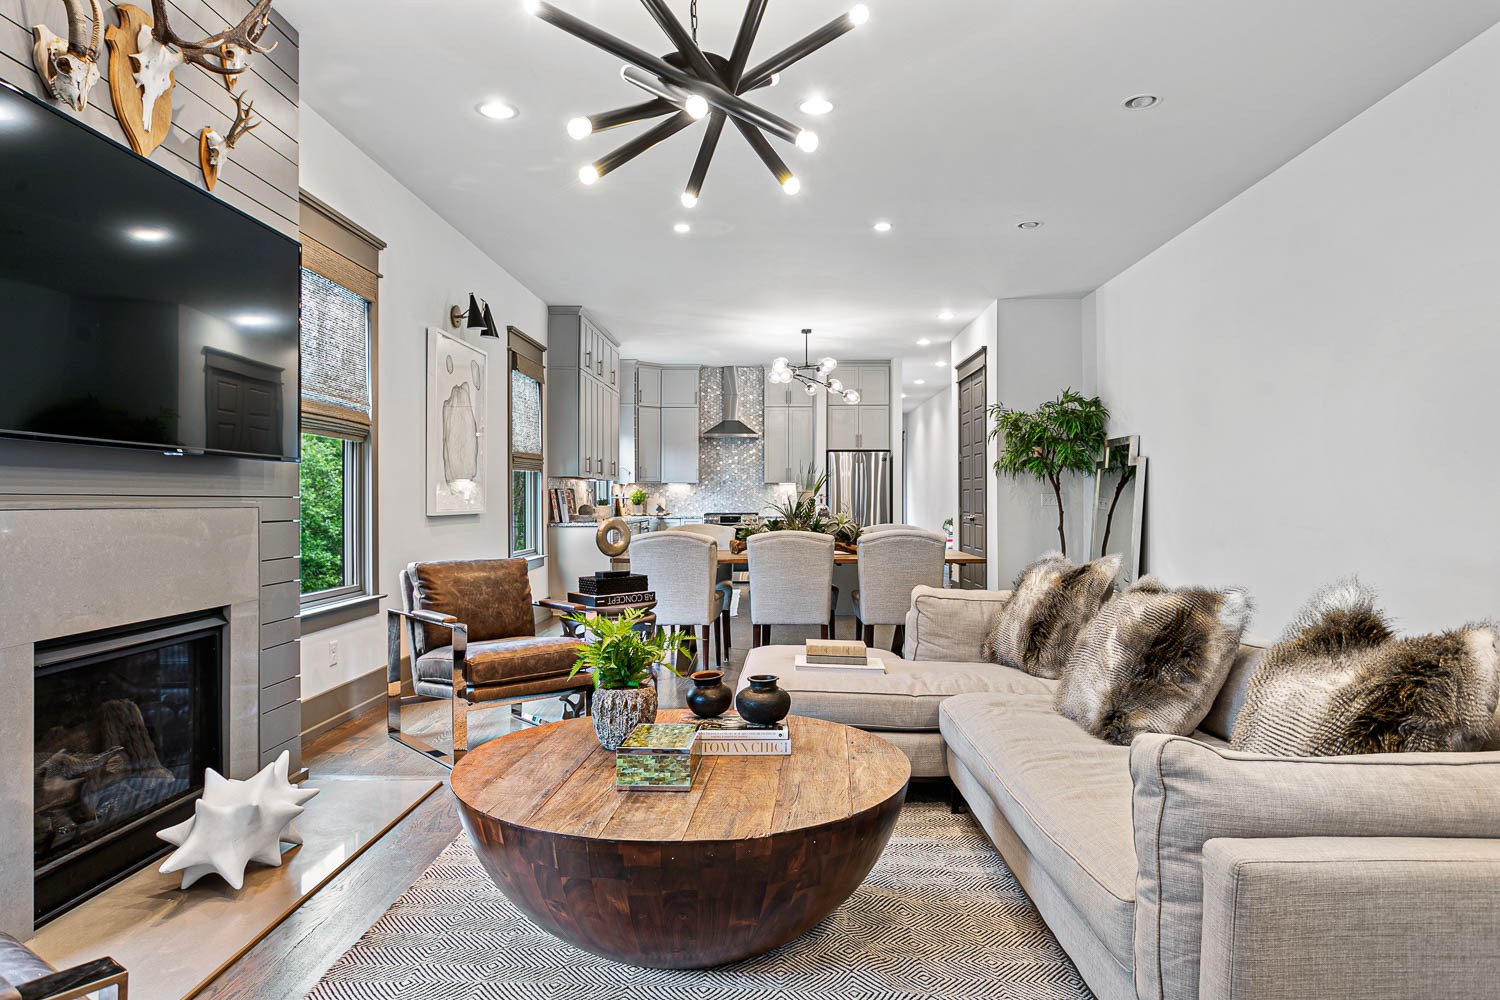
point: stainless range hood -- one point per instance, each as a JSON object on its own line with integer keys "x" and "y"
{"x": 731, "y": 426}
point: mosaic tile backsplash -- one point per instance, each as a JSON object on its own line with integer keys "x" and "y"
{"x": 730, "y": 472}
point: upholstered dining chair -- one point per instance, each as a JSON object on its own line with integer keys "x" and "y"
{"x": 680, "y": 568}
{"x": 870, "y": 529}
{"x": 791, "y": 582}
{"x": 891, "y": 564}
{"x": 473, "y": 641}
{"x": 723, "y": 534}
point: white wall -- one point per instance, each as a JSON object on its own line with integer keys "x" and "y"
{"x": 427, "y": 267}
{"x": 1312, "y": 368}
{"x": 1040, "y": 354}
{"x": 931, "y": 475}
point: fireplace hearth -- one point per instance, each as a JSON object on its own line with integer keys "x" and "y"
{"x": 126, "y": 720}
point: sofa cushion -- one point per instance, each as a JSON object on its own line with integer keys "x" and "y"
{"x": 504, "y": 661}
{"x": 1219, "y": 722}
{"x": 1152, "y": 660}
{"x": 1066, "y": 795}
{"x": 950, "y": 624}
{"x": 1053, "y": 601}
{"x": 904, "y": 698}
{"x": 491, "y": 596}
{"x": 1186, "y": 793}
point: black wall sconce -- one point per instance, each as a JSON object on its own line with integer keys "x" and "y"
{"x": 476, "y": 318}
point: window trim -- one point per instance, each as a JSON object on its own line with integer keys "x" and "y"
{"x": 534, "y": 528}
{"x": 353, "y": 254}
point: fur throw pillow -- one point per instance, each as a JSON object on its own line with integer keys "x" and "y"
{"x": 1153, "y": 660}
{"x": 1338, "y": 683}
{"x": 1052, "y": 601}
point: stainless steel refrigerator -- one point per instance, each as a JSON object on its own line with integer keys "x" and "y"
{"x": 860, "y": 483}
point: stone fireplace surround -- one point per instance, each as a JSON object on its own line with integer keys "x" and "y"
{"x": 78, "y": 566}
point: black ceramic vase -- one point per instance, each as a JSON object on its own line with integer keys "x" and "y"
{"x": 710, "y": 696}
{"x": 763, "y": 703}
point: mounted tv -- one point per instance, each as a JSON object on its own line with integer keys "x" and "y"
{"x": 135, "y": 309}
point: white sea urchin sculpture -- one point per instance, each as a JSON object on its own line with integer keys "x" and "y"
{"x": 236, "y": 822}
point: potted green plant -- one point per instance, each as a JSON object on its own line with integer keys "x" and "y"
{"x": 638, "y": 500}
{"x": 1060, "y": 436}
{"x": 623, "y": 658}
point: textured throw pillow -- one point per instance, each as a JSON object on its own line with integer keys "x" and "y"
{"x": 1052, "y": 602}
{"x": 1339, "y": 683}
{"x": 1153, "y": 660}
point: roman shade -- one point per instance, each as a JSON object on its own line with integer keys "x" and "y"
{"x": 526, "y": 380}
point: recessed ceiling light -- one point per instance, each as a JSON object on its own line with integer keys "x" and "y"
{"x": 940, "y": 364}
{"x": 945, "y": 315}
{"x": 882, "y": 226}
{"x": 681, "y": 227}
{"x": 924, "y": 341}
{"x": 816, "y": 105}
{"x": 903, "y": 395}
{"x": 498, "y": 110}
{"x": 1140, "y": 102}
{"x": 920, "y": 381}
{"x": 1029, "y": 225}
{"x": 147, "y": 234}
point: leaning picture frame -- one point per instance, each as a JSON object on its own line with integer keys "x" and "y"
{"x": 457, "y": 398}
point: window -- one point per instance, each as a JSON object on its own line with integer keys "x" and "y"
{"x": 339, "y": 285}
{"x": 526, "y": 380}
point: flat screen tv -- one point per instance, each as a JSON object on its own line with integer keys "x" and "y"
{"x": 135, "y": 309}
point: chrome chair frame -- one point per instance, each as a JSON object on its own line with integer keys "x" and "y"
{"x": 103, "y": 977}
{"x": 577, "y": 700}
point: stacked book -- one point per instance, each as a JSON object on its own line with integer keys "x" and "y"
{"x": 839, "y": 655}
{"x": 731, "y": 736}
{"x": 613, "y": 591}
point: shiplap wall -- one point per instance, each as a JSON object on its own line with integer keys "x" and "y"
{"x": 261, "y": 180}
{"x": 261, "y": 175}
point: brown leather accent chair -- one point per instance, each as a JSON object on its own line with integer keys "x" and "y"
{"x": 473, "y": 641}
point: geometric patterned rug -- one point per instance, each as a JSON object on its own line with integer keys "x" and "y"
{"x": 940, "y": 917}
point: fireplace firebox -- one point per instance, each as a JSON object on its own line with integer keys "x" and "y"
{"x": 126, "y": 721}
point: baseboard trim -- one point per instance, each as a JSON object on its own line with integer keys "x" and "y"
{"x": 338, "y": 705}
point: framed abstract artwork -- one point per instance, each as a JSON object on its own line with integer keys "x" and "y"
{"x": 457, "y": 393}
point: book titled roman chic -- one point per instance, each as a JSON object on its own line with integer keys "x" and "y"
{"x": 731, "y": 727}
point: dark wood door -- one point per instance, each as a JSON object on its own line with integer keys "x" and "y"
{"x": 973, "y": 475}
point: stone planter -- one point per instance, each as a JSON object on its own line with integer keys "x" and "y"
{"x": 617, "y": 711}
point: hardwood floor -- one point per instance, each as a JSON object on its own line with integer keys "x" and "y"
{"x": 293, "y": 957}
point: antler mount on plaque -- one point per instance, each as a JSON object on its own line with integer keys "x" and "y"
{"x": 70, "y": 67}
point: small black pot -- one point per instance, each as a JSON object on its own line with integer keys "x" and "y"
{"x": 710, "y": 696}
{"x": 763, "y": 703}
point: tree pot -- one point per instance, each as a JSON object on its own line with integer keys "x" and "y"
{"x": 710, "y": 696}
{"x": 616, "y": 711}
{"x": 763, "y": 703}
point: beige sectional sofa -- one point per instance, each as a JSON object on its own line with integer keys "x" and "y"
{"x": 1177, "y": 868}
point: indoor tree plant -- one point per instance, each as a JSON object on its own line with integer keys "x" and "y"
{"x": 1062, "y": 435}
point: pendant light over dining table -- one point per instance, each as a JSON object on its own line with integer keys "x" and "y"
{"x": 690, "y": 84}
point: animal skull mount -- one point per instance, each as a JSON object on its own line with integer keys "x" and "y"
{"x": 214, "y": 148}
{"x": 69, "y": 67}
{"x": 140, "y": 79}
{"x": 153, "y": 64}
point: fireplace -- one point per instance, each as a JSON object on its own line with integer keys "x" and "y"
{"x": 126, "y": 719}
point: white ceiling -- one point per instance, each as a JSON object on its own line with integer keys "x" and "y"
{"x": 956, "y": 120}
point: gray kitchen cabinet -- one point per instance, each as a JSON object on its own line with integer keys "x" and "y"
{"x": 679, "y": 386}
{"x": 647, "y": 385}
{"x": 788, "y": 436}
{"x": 679, "y": 442}
{"x": 855, "y": 428}
{"x": 583, "y": 405}
{"x": 648, "y": 444}
{"x": 872, "y": 381}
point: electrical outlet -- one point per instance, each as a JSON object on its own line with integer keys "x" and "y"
{"x": 333, "y": 653}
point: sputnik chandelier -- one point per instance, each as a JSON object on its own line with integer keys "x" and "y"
{"x": 811, "y": 376}
{"x": 690, "y": 83}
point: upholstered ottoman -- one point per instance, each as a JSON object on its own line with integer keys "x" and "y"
{"x": 900, "y": 705}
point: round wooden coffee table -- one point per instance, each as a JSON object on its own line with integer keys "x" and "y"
{"x": 760, "y": 850}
